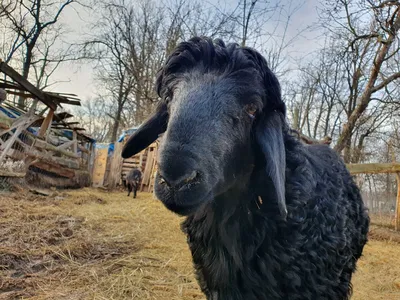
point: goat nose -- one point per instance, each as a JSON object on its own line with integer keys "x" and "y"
{"x": 178, "y": 182}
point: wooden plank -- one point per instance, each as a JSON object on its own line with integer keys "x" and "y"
{"x": 397, "y": 217}
{"x": 44, "y": 157}
{"x": 147, "y": 172}
{"x": 21, "y": 94}
{"x": 65, "y": 145}
{"x": 55, "y": 168}
{"x": 99, "y": 167}
{"x": 9, "y": 71}
{"x": 4, "y": 173}
{"x": 6, "y": 147}
{"x": 75, "y": 140}
{"x": 373, "y": 168}
{"x": 116, "y": 165}
{"x": 91, "y": 157}
{"x": 42, "y": 164}
{"x": 43, "y": 145}
{"x": 24, "y": 121}
{"x": 130, "y": 165}
{"x": 46, "y": 123}
{"x": 131, "y": 162}
{"x": 83, "y": 149}
{"x": 63, "y": 115}
{"x": 127, "y": 169}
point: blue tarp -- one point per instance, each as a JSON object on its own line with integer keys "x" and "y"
{"x": 126, "y": 132}
{"x": 8, "y": 113}
{"x": 12, "y": 116}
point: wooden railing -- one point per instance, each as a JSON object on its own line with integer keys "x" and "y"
{"x": 377, "y": 168}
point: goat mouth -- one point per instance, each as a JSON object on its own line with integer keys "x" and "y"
{"x": 184, "y": 201}
{"x": 182, "y": 210}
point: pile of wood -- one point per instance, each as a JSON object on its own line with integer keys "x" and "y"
{"x": 42, "y": 139}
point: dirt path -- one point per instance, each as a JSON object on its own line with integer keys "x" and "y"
{"x": 90, "y": 244}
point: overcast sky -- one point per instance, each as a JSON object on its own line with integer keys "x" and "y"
{"x": 80, "y": 77}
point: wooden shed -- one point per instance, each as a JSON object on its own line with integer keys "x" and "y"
{"x": 145, "y": 161}
{"x": 52, "y": 150}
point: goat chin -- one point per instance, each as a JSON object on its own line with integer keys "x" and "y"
{"x": 183, "y": 202}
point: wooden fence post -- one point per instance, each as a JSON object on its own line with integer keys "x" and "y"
{"x": 397, "y": 217}
{"x": 46, "y": 124}
{"x": 75, "y": 140}
{"x": 114, "y": 176}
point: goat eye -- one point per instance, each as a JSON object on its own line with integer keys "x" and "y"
{"x": 251, "y": 109}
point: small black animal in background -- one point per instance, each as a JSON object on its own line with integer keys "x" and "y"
{"x": 133, "y": 180}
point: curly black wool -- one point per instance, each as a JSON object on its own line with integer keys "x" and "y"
{"x": 267, "y": 216}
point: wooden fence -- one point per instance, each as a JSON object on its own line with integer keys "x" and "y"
{"x": 376, "y": 168}
{"x": 111, "y": 171}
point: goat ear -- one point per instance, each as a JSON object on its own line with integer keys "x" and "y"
{"x": 269, "y": 137}
{"x": 148, "y": 132}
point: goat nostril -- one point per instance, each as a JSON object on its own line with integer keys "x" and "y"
{"x": 191, "y": 177}
{"x": 180, "y": 182}
{"x": 162, "y": 180}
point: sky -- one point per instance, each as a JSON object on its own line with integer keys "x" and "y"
{"x": 78, "y": 78}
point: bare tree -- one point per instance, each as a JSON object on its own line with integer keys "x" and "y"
{"x": 132, "y": 41}
{"x": 91, "y": 116}
{"x": 7, "y": 6}
{"x": 371, "y": 55}
{"x": 129, "y": 47}
{"x": 264, "y": 25}
{"x": 31, "y": 30}
{"x": 350, "y": 89}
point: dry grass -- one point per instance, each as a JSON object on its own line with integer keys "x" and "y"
{"x": 90, "y": 244}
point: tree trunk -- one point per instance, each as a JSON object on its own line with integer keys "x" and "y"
{"x": 370, "y": 88}
{"x": 26, "y": 66}
{"x": 347, "y": 152}
{"x": 117, "y": 121}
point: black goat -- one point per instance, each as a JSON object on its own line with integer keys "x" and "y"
{"x": 267, "y": 216}
{"x": 133, "y": 181}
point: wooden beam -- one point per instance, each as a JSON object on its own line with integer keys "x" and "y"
{"x": 20, "y": 94}
{"x": 397, "y": 217}
{"x": 6, "y": 69}
{"x": 4, "y": 173}
{"x": 116, "y": 164}
{"x": 6, "y": 147}
{"x": 46, "y": 124}
{"x": 65, "y": 145}
{"x": 24, "y": 121}
{"x": 43, "y": 157}
{"x": 46, "y": 146}
{"x": 63, "y": 115}
{"x": 75, "y": 140}
{"x": 54, "y": 168}
{"x": 83, "y": 149}
{"x": 373, "y": 168}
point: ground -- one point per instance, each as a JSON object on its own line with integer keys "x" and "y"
{"x": 94, "y": 244}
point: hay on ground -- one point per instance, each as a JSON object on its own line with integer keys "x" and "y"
{"x": 95, "y": 244}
